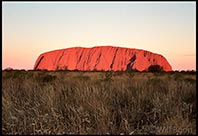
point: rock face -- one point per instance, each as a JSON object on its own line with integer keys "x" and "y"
{"x": 100, "y": 58}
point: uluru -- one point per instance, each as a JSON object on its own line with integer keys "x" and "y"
{"x": 105, "y": 58}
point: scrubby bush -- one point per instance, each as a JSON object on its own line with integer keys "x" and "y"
{"x": 108, "y": 75}
{"x": 44, "y": 77}
{"x": 8, "y": 69}
{"x": 190, "y": 72}
{"x": 76, "y": 70}
{"x": 132, "y": 70}
{"x": 155, "y": 68}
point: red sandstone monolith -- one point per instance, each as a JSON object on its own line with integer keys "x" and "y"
{"x": 100, "y": 58}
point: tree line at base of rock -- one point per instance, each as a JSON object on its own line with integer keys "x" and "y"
{"x": 151, "y": 68}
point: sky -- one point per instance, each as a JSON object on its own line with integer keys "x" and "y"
{"x": 166, "y": 28}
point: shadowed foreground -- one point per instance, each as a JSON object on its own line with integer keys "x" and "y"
{"x": 63, "y": 102}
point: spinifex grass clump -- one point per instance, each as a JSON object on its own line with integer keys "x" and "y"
{"x": 48, "y": 102}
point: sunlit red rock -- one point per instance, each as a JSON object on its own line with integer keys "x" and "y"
{"x": 100, "y": 58}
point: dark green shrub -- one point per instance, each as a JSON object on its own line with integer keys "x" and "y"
{"x": 48, "y": 78}
{"x": 190, "y": 72}
{"x": 130, "y": 74}
{"x": 8, "y": 69}
{"x": 18, "y": 74}
{"x": 75, "y": 70}
{"x": 159, "y": 73}
{"x": 45, "y": 78}
{"x": 190, "y": 80}
{"x": 178, "y": 76}
{"x": 108, "y": 76}
{"x": 132, "y": 70}
{"x": 155, "y": 68}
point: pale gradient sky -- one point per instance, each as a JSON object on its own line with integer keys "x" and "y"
{"x": 30, "y": 29}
